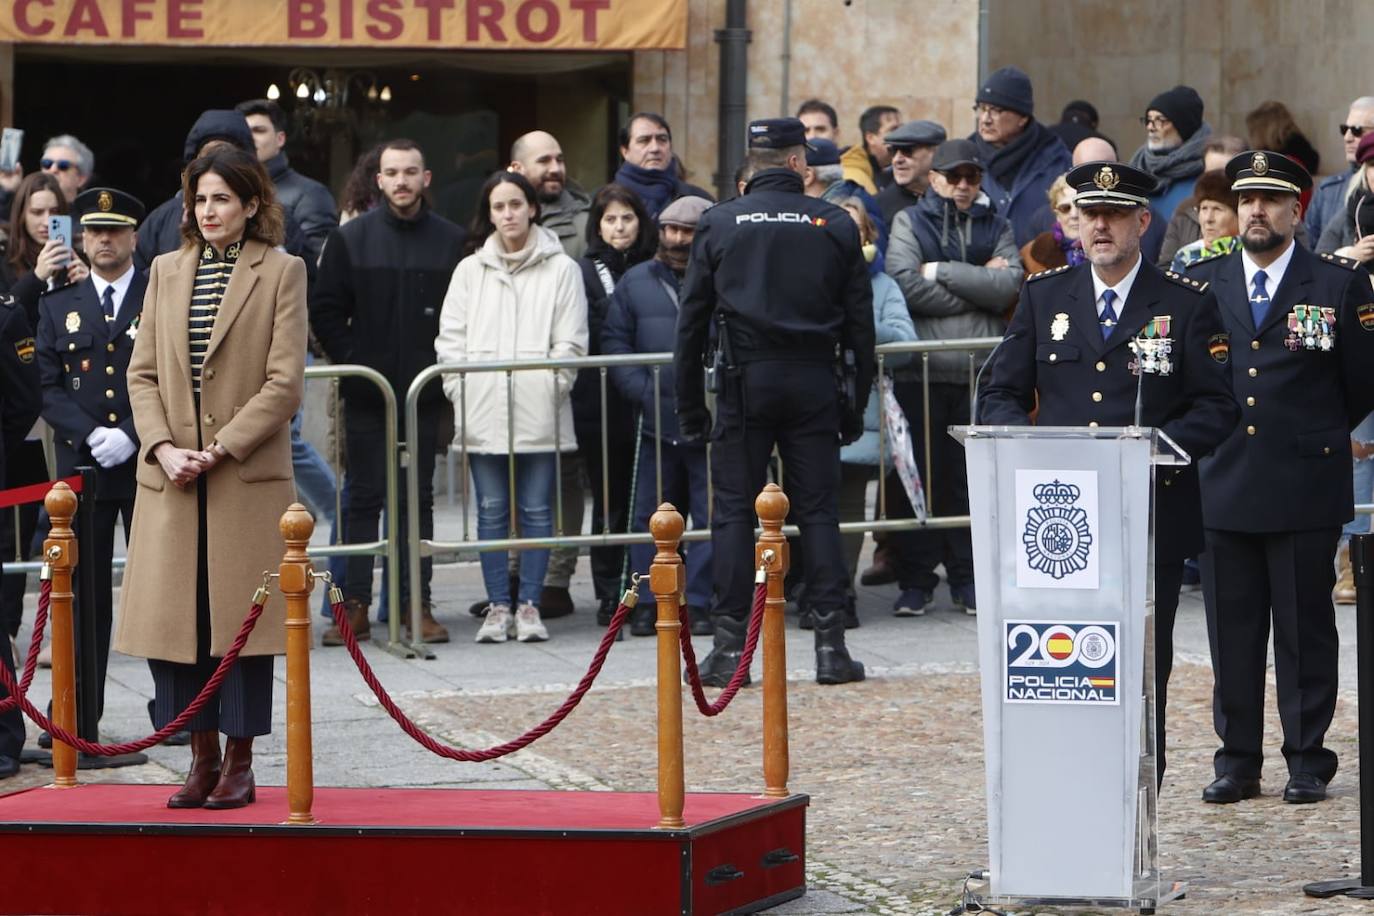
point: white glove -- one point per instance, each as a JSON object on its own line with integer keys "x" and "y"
{"x": 97, "y": 436}
{"x": 114, "y": 449}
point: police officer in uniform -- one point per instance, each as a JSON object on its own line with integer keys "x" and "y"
{"x": 86, "y": 335}
{"x": 1081, "y": 338}
{"x": 1276, "y": 493}
{"x": 781, "y": 282}
{"x": 19, "y": 401}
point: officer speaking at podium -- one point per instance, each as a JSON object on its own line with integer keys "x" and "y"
{"x": 779, "y": 281}
{"x": 1085, "y": 339}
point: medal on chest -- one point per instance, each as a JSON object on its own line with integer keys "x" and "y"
{"x": 1153, "y": 348}
{"x": 1311, "y": 327}
{"x": 1059, "y": 327}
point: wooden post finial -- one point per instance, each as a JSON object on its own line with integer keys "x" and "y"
{"x": 771, "y": 506}
{"x": 666, "y": 580}
{"x": 296, "y": 578}
{"x": 297, "y": 525}
{"x": 61, "y": 505}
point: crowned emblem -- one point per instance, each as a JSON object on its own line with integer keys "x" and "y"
{"x": 1106, "y": 179}
{"x": 73, "y": 322}
{"x": 1057, "y": 537}
{"x": 1259, "y": 163}
{"x": 1059, "y": 326}
{"x": 105, "y": 201}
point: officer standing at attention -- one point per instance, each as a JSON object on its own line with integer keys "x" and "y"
{"x": 783, "y": 280}
{"x": 86, "y": 335}
{"x": 1079, "y": 338}
{"x": 1276, "y": 493}
{"x": 19, "y": 400}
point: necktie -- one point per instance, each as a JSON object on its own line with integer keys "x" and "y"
{"x": 1108, "y": 316}
{"x": 1259, "y": 299}
{"x": 107, "y": 303}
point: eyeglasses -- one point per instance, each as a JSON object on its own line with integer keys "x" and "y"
{"x": 902, "y": 150}
{"x": 991, "y": 110}
{"x": 60, "y": 164}
{"x": 972, "y": 179}
{"x": 1354, "y": 129}
{"x": 1065, "y": 209}
{"x": 1159, "y": 123}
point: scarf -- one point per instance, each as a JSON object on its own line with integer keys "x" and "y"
{"x": 656, "y": 187}
{"x": 1006, "y": 163}
{"x": 1170, "y": 166}
{"x": 514, "y": 260}
{"x": 1072, "y": 248}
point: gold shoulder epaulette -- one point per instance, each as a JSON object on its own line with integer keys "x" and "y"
{"x": 1196, "y": 286}
{"x": 1340, "y": 261}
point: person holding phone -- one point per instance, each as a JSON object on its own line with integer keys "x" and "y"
{"x": 34, "y": 262}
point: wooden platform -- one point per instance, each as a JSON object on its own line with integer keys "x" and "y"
{"x": 118, "y": 849}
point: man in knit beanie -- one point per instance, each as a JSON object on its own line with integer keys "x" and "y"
{"x": 1022, "y": 157}
{"x": 1175, "y": 135}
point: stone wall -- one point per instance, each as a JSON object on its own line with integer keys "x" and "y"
{"x": 920, "y": 57}
{"x": 1308, "y": 54}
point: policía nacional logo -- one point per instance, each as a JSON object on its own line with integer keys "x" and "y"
{"x": 1062, "y": 662}
{"x": 1058, "y": 537}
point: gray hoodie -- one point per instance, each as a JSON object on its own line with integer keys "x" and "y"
{"x": 567, "y": 217}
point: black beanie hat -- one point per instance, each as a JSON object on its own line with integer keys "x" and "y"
{"x": 1182, "y": 105}
{"x": 1008, "y": 88}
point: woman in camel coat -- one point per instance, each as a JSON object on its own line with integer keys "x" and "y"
{"x": 216, "y": 375}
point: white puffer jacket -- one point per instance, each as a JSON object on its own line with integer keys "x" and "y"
{"x": 503, "y": 307}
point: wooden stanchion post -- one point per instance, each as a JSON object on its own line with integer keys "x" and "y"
{"x": 771, "y": 553}
{"x": 59, "y": 552}
{"x": 667, "y": 581}
{"x": 296, "y": 581}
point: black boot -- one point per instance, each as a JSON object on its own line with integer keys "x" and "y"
{"x": 833, "y": 664}
{"x": 719, "y": 665}
{"x": 644, "y": 619}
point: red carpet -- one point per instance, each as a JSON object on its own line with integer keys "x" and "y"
{"x": 117, "y": 849}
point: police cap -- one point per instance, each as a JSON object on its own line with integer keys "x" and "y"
{"x": 109, "y": 208}
{"x": 1263, "y": 170}
{"x": 1110, "y": 184}
{"x": 822, "y": 152}
{"x": 777, "y": 133}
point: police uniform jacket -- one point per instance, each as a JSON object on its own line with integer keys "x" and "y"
{"x": 83, "y": 361}
{"x": 19, "y": 397}
{"x": 1054, "y": 349}
{"x": 1287, "y": 465}
{"x": 787, "y": 273}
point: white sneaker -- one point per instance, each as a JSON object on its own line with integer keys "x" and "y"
{"x": 528, "y": 626}
{"x": 498, "y": 625}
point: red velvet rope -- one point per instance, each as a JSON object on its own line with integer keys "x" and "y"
{"x": 171, "y": 728}
{"x": 500, "y": 750}
{"x": 751, "y": 642}
{"x": 40, "y": 621}
{"x": 32, "y": 493}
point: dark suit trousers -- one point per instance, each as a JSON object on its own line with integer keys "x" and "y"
{"x": 1247, "y": 579}
{"x": 107, "y": 513}
{"x": 12, "y": 722}
{"x": 243, "y": 707}
{"x": 26, "y": 466}
{"x": 1168, "y": 582}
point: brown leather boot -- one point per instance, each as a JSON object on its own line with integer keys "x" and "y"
{"x": 356, "y": 611}
{"x": 205, "y": 771}
{"x": 1344, "y": 592}
{"x": 236, "y": 787}
{"x": 431, "y": 630}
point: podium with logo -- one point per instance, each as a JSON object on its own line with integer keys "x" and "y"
{"x": 1063, "y": 547}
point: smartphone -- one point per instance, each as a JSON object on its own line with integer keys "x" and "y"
{"x": 60, "y": 228}
{"x": 11, "y": 139}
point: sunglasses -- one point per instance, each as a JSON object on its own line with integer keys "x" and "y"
{"x": 1354, "y": 129}
{"x": 60, "y": 164}
{"x": 973, "y": 179}
{"x": 1065, "y": 209}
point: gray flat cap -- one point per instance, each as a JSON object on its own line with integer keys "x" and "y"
{"x": 916, "y": 133}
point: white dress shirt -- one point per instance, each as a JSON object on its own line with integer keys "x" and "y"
{"x": 121, "y": 286}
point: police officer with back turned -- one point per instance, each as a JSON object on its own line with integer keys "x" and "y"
{"x": 1080, "y": 340}
{"x": 781, "y": 280}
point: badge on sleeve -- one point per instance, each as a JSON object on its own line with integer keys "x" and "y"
{"x": 1060, "y": 326}
{"x": 73, "y": 322}
{"x": 1366, "y": 315}
{"x": 1219, "y": 345}
{"x": 24, "y": 349}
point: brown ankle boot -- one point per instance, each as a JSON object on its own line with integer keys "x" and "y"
{"x": 205, "y": 770}
{"x": 236, "y": 787}
{"x": 356, "y": 611}
{"x": 431, "y": 630}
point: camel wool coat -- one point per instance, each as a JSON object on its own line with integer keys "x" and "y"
{"x": 251, "y": 386}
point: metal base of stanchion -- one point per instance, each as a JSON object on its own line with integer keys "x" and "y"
{"x": 1345, "y": 887}
{"x": 422, "y": 651}
{"x": 399, "y": 649}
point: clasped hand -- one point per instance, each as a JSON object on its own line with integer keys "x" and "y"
{"x": 183, "y": 465}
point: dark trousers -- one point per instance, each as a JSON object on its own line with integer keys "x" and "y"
{"x": 1247, "y": 580}
{"x": 24, "y": 466}
{"x": 685, "y": 486}
{"x": 1168, "y": 582}
{"x": 608, "y": 563}
{"x": 243, "y": 706}
{"x": 792, "y": 405}
{"x": 946, "y": 487}
{"x": 107, "y": 514}
{"x": 12, "y": 722}
{"x": 365, "y": 446}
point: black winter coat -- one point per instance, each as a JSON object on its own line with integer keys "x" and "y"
{"x": 643, "y": 319}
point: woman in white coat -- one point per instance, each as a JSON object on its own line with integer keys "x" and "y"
{"x": 517, "y": 296}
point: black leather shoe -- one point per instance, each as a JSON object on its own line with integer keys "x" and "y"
{"x": 643, "y": 620}
{"x": 9, "y": 766}
{"x": 1304, "y": 789}
{"x": 718, "y": 667}
{"x": 45, "y": 741}
{"x": 1228, "y": 789}
{"x": 605, "y": 611}
{"x": 702, "y": 624}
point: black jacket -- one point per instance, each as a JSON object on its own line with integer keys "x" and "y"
{"x": 305, "y": 201}
{"x": 83, "y": 365}
{"x": 1287, "y": 466}
{"x": 787, "y": 272}
{"x": 643, "y": 319}
{"x": 1054, "y": 350}
{"x": 586, "y": 393}
{"x": 19, "y": 396}
{"x": 377, "y": 299}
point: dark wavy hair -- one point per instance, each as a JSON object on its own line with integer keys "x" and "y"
{"x": 24, "y": 248}
{"x": 646, "y": 243}
{"x": 246, "y": 177}
{"x": 482, "y": 226}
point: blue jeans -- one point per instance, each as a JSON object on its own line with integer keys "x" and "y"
{"x": 685, "y": 486}
{"x": 534, "y": 507}
{"x": 315, "y": 485}
{"x": 1364, "y": 479}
